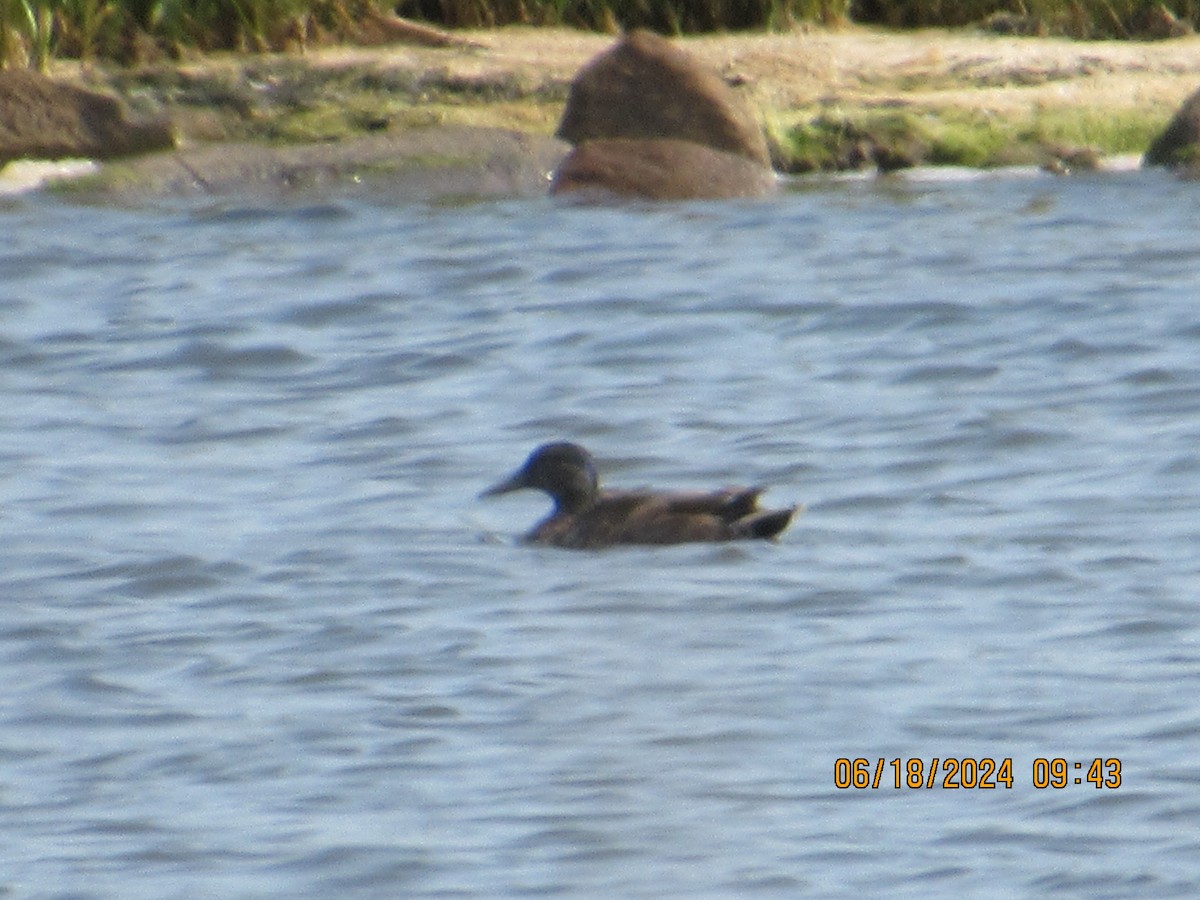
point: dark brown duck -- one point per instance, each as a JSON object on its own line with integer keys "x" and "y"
{"x": 585, "y": 517}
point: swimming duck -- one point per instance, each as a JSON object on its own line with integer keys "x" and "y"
{"x": 585, "y": 517}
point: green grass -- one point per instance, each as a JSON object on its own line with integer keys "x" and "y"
{"x": 282, "y": 99}
{"x": 31, "y": 31}
{"x": 896, "y": 138}
{"x": 1127, "y": 131}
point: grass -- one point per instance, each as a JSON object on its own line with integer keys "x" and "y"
{"x": 891, "y": 138}
{"x": 1128, "y": 130}
{"x": 1085, "y": 19}
{"x": 669, "y": 16}
{"x": 34, "y": 31}
{"x": 284, "y": 100}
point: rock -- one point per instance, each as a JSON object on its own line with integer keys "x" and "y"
{"x": 646, "y": 87}
{"x": 440, "y": 163}
{"x": 659, "y": 169}
{"x": 1178, "y": 145}
{"x": 1065, "y": 159}
{"x": 45, "y": 119}
{"x": 649, "y": 121}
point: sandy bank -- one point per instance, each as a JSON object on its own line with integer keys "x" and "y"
{"x": 332, "y": 113}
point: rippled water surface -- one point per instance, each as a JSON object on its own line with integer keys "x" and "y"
{"x": 260, "y": 639}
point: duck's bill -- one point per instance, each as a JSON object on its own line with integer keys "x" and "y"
{"x": 512, "y": 483}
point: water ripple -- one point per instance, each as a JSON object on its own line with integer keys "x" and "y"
{"x": 261, "y": 636}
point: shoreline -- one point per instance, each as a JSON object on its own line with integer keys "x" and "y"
{"x": 470, "y": 110}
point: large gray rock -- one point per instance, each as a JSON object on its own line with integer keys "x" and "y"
{"x": 646, "y": 87}
{"x": 45, "y": 119}
{"x": 439, "y": 163}
{"x": 659, "y": 169}
{"x": 1179, "y": 143}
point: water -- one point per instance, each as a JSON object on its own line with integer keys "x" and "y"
{"x": 260, "y": 639}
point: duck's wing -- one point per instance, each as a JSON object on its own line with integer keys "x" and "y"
{"x": 728, "y": 504}
{"x": 647, "y": 517}
{"x": 730, "y": 514}
{"x": 686, "y": 517}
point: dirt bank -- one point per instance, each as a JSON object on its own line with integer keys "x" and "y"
{"x": 1108, "y": 95}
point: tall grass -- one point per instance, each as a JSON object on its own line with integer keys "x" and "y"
{"x": 31, "y": 31}
{"x": 671, "y": 16}
{"x": 25, "y": 32}
{"x": 1074, "y": 18}
{"x": 1078, "y": 18}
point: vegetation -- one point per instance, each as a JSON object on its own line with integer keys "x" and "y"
{"x": 282, "y": 98}
{"x": 33, "y": 31}
{"x": 1089, "y": 19}
{"x": 126, "y": 30}
{"x": 899, "y": 138}
{"x": 669, "y": 16}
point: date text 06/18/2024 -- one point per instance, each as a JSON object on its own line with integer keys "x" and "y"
{"x": 983, "y": 773}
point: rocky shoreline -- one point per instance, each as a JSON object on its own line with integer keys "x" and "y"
{"x": 476, "y": 117}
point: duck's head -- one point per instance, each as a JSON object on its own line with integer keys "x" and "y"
{"x": 565, "y": 471}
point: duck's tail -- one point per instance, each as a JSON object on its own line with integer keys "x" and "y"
{"x": 766, "y": 524}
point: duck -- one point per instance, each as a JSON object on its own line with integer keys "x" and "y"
{"x": 585, "y": 517}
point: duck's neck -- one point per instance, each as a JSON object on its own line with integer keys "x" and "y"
{"x": 574, "y": 500}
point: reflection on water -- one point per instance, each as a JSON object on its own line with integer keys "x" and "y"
{"x": 261, "y": 638}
